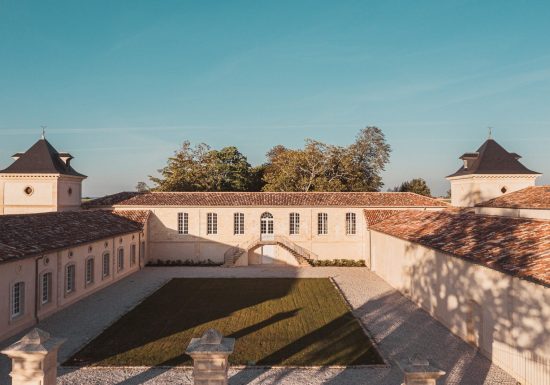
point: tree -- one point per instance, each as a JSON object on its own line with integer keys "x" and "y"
{"x": 417, "y": 186}
{"x": 323, "y": 167}
{"x": 142, "y": 187}
{"x": 201, "y": 168}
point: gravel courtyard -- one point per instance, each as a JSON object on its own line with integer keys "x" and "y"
{"x": 399, "y": 328}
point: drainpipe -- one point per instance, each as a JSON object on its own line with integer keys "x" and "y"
{"x": 36, "y": 288}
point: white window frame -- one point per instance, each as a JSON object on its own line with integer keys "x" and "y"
{"x": 89, "y": 274}
{"x": 17, "y": 299}
{"x": 211, "y": 223}
{"x": 70, "y": 278}
{"x": 238, "y": 223}
{"x": 322, "y": 223}
{"x": 294, "y": 223}
{"x": 133, "y": 253}
{"x": 351, "y": 224}
{"x": 183, "y": 223}
{"x": 46, "y": 287}
{"x": 120, "y": 259}
{"x": 106, "y": 264}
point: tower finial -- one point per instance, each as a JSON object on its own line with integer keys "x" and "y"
{"x": 44, "y": 131}
{"x": 490, "y": 132}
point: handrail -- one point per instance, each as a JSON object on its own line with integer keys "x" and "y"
{"x": 240, "y": 249}
{"x": 296, "y": 248}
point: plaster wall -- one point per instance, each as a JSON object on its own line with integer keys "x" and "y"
{"x": 167, "y": 244}
{"x": 517, "y": 213}
{"x": 507, "y": 318}
{"x": 25, "y": 270}
{"x": 69, "y": 193}
{"x": 468, "y": 190}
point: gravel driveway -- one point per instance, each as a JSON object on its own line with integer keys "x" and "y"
{"x": 399, "y": 327}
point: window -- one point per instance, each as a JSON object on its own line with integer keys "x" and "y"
{"x": 89, "y": 272}
{"x": 46, "y": 286}
{"x": 238, "y": 223}
{"x": 17, "y": 299}
{"x": 322, "y": 223}
{"x": 120, "y": 259}
{"x": 106, "y": 264}
{"x": 351, "y": 224}
{"x": 183, "y": 223}
{"x": 211, "y": 223}
{"x": 70, "y": 275}
{"x": 132, "y": 254}
{"x": 294, "y": 224}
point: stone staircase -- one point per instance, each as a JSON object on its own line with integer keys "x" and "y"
{"x": 302, "y": 255}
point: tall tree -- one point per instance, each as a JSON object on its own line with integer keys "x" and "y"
{"x": 323, "y": 167}
{"x": 417, "y": 186}
{"x": 201, "y": 168}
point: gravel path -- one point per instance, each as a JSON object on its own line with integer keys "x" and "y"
{"x": 400, "y": 329}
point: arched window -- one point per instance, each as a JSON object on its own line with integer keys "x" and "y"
{"x": 106, "y": 264}
{"x": 120, "y": 259}
{"x": 70, "y": 276}
{"x": 89, "y": 271}
{"x": 266, "y": 223}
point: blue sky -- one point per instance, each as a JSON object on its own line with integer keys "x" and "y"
{"x": 120, "y": 84}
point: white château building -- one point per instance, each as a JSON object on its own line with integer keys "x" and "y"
{"x": 479, "y": 266}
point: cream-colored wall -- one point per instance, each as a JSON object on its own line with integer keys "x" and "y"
{"x": 468, "y": 190}
{"x": 517, "y": 213}
{"x": 167, "y": 244}
{"x": 508, "y": 318}
{"x": 56, "y": 262}
{"x": 50, "y": 193}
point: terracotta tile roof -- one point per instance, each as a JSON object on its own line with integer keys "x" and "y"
{"x": 536, "y": 197}
{"x": 139, "y": 216}
{"x": 374, "y": 216}
{"x": 267, "y": 199}
{"x": 26, "y": 235}
{"x": 109, "y": 200}
{"x": 516, "y": 246}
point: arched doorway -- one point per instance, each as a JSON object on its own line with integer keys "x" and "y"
{"x": 267, "y": 234}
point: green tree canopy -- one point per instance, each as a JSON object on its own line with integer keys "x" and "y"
{"x": 201, "y": 168}
{"x": 324, "y": 167}
{"x": 417, "y": 186}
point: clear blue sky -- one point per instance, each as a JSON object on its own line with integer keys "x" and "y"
{"x": 121, "y": 84}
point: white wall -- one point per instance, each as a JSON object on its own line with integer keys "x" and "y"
{"x": 468, "y": 190}
{"x": 508, "y": 318}
{"x": 167, "y": 244}
{"x": 24, "y": 270}
{"x": 517, "y": 213}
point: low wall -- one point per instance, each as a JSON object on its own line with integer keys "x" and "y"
{"x": 507, "y": 318}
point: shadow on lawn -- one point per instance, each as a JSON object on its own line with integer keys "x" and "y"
{"x": 163, "y": 320}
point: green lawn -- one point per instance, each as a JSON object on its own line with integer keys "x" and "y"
{"x": 275, "y": 321}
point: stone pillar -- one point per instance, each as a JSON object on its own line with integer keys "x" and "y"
{"x": 210, "y": 355}
{"x": 419, "y": 372}
{"x": 34, "y": 359}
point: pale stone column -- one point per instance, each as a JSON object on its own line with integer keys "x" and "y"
{"x": 210, "y": 357}
{"x": 34, "y": 359}
{"x": 419, "y": 372}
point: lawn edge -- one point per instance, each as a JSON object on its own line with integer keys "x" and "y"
{"x": 363, "y": 326}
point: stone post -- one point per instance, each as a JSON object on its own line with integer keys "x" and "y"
{"x": 419, "y": 372}
{"x": 34, "y": 359}
{"x": 210, "y": 355}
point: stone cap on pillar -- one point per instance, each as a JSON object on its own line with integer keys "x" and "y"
{"x": 36, "y": 341}
{"x": 211, "y": 341}
{"x": 420, "y": 366}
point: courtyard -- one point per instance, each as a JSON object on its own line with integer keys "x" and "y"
{"x": 399, "y": 329}
{"x": 276, "y": 322}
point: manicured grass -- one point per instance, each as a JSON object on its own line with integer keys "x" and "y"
{"x": 276, "y": 321}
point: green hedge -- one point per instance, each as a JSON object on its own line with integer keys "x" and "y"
{"x": 187, "y": 262}
{"x": 337, "y": 262}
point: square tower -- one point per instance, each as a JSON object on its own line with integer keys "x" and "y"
{"x": 488, "y": 173}
{"x": 40, "y": 180}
